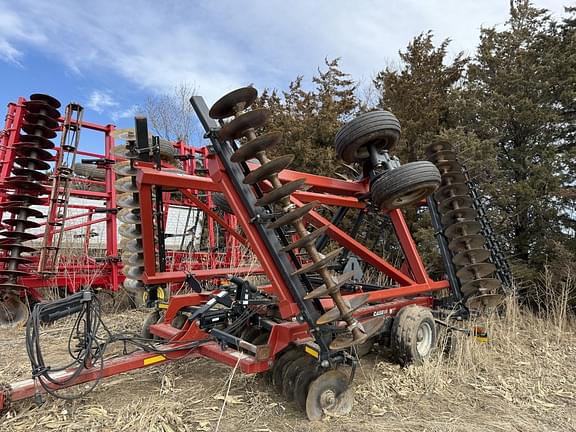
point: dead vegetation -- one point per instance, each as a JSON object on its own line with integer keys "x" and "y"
{"x": 522, "y": 380}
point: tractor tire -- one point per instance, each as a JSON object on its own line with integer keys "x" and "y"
{"x": 380, "y": 128}
{"x": 90, "y": 171}
{"x": 220, "y": 202}
{"x": 405, "y": 186}
{"x": 414, "y": 335}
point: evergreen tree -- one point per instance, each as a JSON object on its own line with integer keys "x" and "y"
{"x": 309, "y": 120}
{"x": 420, "y": 93}
{"x": 513, "y": 103}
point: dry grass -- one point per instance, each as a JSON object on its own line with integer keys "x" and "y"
{"x": 523, "y": 380}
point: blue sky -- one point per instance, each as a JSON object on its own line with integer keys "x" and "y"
{"x": 110, "y": 55}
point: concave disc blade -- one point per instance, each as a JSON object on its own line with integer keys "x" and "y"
{"x": 278, "y": 194}
{"x": 487, "y": 301}
{"x": 463, "y": 228}
{"x": 12, "y": 310}
{"x": 50, "y": 100}
{"x": 471, "y": 256}
{"x": 475, "y": 271}
{"x": 293, "y": 215}
{"x": 233, "y": 102}
{"x": 322, "y": 291}
{"x": 335, "y": 314}
{"x": 129, "y": 216}
{"x": 250, "y": 149}
{"x": 265, "y": 171}
{"x": 458, "y": 215}
{"x": 306, "y": 240}
{"x": 451, "y": 190}
{"x": 42, "y": 108}
{"x": 315, "y": 266}
{"x": 38, "y": 129}
{"x": 250, "y": 120}
{"x": 483, "y": 286}
{"x": 438, "y": 146}
{"x": 38, "y": 141}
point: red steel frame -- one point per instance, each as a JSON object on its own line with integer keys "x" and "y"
{"x": 335, "y": 192}
{"x": 414, "y": 286}
{"x": 412, "y": 278}
{"x": 106, "y": 272}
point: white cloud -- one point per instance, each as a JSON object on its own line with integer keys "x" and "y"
{"x": 99, "y": 100}
{"x": 129, "y": 112}
{"x": 14, "y": 31}
{"x": 223, "y": 44}
{"x": 9, "y": 53}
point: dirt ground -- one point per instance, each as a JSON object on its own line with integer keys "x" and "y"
{"x": 524, "y": 380}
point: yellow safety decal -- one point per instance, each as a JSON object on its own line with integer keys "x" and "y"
{"x": 311, "y": 351}
{"x": 156, "y": 359}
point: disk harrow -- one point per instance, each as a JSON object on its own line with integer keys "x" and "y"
{"x": 310, "y": 319}
{"x": 463, "y": 231}
{"x": 60, "y": 229}
{"x": 24, "y": 189}
{"x": 243, "y": 124}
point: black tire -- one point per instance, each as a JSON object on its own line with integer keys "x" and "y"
{"x": 220, "y": 202}
{"x": 380, "y": 128}
{"x": 411, "y": 324}
{"x": 405, "y": 186}
{"x": 90, "y": 171}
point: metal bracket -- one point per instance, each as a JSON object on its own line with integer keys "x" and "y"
{"x": 99, "y": 162}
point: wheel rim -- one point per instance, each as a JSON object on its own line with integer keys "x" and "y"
{"x": 424, "y": 337}
{"x": 410, "y": 198}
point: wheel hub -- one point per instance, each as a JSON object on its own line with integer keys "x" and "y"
{"x": 424, "y": 339}
{"x": 327, "y": 399}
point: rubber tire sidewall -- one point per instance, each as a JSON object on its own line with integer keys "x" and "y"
{"x": 404, "y": 334}
{"x": 379, "y": 127}
{"x": 402, "y": 181}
